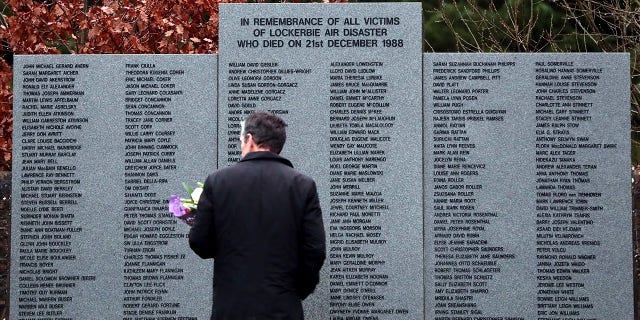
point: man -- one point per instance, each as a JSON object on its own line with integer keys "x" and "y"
{"x": 261, "y": 222}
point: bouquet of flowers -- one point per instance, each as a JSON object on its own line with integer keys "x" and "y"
{"x": 186, "y": 208}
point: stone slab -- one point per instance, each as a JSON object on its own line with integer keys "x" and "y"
{"x": 527, "y": 202}
{"x": 100, "y": 142}
{"x": 346, "y": 78}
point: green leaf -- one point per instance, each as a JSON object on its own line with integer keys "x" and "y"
{"x": 187, "y": 188}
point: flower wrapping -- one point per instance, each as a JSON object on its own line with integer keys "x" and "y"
{"x": 185, "y": 209}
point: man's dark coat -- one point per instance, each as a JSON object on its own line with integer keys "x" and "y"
{"x": 261, "y": 222}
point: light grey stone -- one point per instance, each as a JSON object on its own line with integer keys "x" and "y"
{"x": 527, "y": 197}
{"x": 354, "y": 126}
{"x": 91, "y": 234}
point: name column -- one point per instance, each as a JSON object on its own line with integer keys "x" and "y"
{"x": 576, "y": 156}
{"x": 471, "y": 123}
{"x": 360, "y": 121}
{"x": 50, "y": 123}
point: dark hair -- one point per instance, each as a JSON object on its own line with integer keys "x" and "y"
{"x": 267, "y": 129}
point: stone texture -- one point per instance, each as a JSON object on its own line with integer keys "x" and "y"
{"x": 526, "y": 186}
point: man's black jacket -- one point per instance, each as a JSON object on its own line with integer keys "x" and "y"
{"x": 261, "y": 222}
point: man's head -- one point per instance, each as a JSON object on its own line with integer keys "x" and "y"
{"x": 262, "y": 131}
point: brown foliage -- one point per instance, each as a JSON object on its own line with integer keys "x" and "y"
{"x": 6, "y": 116}
{"x": 118, "y": 26}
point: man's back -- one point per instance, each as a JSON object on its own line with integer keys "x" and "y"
{"x": 261, "y": 221}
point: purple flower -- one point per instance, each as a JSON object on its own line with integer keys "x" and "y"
{"x": 176, "y": 207}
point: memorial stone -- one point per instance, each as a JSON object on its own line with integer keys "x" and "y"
{"x": 346, "y": 78}
{"x": 526, "y": 177}
{"x": 520, "y": 174}
{"x": 100, "y": 142}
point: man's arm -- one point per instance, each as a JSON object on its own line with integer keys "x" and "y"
{"x": 202, "y": 234}
{"x": 313, "y": 249}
